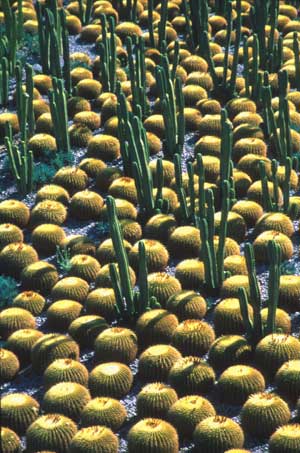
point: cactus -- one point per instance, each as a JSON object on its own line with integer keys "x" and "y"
{"x": 185, "y": 211}
{"x": 213, "y": 260}
{"x": 151, "y": 30}
{"x": 58, "y": 107}
{"x": 143, "y": 301}
{"x": 226, "y": 153}
{"x": 63, "y": 258}
{"x": 199, "y": 20}
{"x": 43, "y": 37}
{"x": 297, "y": 59}
{"x": 29, "y": 91}
{"x": 129, "y": 303}
{"x": 281, "y": 138}
{"x": 53, "y": 41}
{"x": 255, "y": 330}
{"x": 135, "y": 154}
{"x": 21, "y": 164}
{"x": 108, "y": 57}
{"x": 224, "y": 89}
{"x": 4, "y": 81}
{"x": 263, "y": 13}
{"x": 85, "y": 11}
{"x": 137, "y": 72}
{"x": 171, "y": 98}
{"x": 24, "y": 100}
{"x": 162, "y": 26}
{"x": 55, "y": 45}
{"x": 10, "y": 40}
{"x": 122, "y": 258}
{"x": 66, "y": 52}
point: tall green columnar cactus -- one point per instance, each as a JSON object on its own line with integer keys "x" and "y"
{"x": 251, "y": 74}
{"x": 29, "y": 91}
{"x": 4, "y": 82}
{"x": 255, "y": 296}
{"x": 122, "y": 284}
{"x": 50, "y": 37}
{"x": 172, "y": 103}
{"x": 20, "y": 21}
{"x": 199, "y": 20}
{"x": 8, "y": 18}
{"x": 279, "y": 130}
{"x": 255, "y": 329}
{"x": 185, "y": 212}
{"x": 108, "y": 56}
{"x": 44, "y": 39}
{"x": 143, "y": 300}
{"x": 226, "y": 87}
{"x": 151, "y": 28}
{"x": 124, "y": 131}
{"x": 226, "y": 167}
{"x": 21, "y": 164}
{"x": 297, "y": 60}
{"x": 213, "y": 259}
{"x": 141, "y": 173}
{"x": 13, "y": 34}
{"x": 10, "y": 38}
{"x": 137, "y": 73}
{"x": 188, "y": 27}
{"x": 55, "y": 44}
{"x": 85, "y": 11}
{"x": 263, "y": 13}
{"x": 286, "y": 186}
{"x": 237, "y": 43}
{"x": 135, "y": 154}
{"x": 274, "y": 253}
{"x": 66, "y": 52}
{"x": 284, "y": 116}
{"x": 51, "y": 5}
{"x": 201, "y": 182}
{"x": 162, "y": 26}
{"x": 143, "y": 295}
{"x": 22, "y": 100}
{"x": 221, "y": 6}
{"x": 272, "y": 203}
{"x": 58, "y": 107}
{"x": 53, "y": 41}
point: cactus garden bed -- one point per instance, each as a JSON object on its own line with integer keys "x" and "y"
{"x": 149, "y": 226}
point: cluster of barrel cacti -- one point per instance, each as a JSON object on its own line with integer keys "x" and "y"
{"x": 157, "y": 277}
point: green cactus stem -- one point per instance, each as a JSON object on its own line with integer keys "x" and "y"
{"x": 29, "y": 91}
{"x": 214, "y": 259}
{"x": 255, "y": 330}
{"x": 135, "y": 154}
{"x": 58, "y": 107}
{"x": 162, "y": 26}
{"x": 66, "y": 52}
{"x": 108, "y": 57}
{"x": 137, "y": 72}
{"x": 124, "y": 283}
{"x": 172, "y": 102}
{"x": 263, "y": 13}
{"x": 4, "y": 81}
{"x": 184, "y": 209}
{"x": 21, "y": 164}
